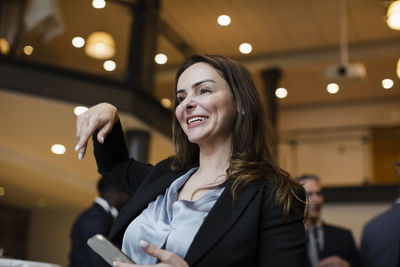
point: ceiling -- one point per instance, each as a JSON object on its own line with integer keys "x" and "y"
{"x": 299, "y": 37}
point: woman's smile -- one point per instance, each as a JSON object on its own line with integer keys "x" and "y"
{"x": 193, "y": 121}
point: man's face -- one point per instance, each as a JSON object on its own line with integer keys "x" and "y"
{"x": 315, "y": 198}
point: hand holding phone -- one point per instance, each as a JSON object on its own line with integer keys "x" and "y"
{"x": 107, "y": 250}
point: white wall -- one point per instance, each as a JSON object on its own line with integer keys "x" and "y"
{"x": 353, "y": 215}
{"x": 49, "y": 235}
{"x": 333, "y": 141}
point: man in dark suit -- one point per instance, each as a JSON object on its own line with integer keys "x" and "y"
{"x": 97, "y": 219}
{"x": 380, "y": 242}
{"x": 328, "y": 245}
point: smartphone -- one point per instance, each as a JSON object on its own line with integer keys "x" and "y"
{"x": 107, "y": 250}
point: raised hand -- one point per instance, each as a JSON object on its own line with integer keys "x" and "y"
{"x": 101, "y": 116}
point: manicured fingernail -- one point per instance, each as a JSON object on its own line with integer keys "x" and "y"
{"x": 114, "y": 263}
{"x": 77, "y": 147}
{"x": 143, "y": 244}
{"x": 80, "y": 156}
{"x": 102, "y": 139}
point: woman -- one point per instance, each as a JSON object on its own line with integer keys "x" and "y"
{"x": 221, "y": 201}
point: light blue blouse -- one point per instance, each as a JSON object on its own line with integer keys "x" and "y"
{"x": 168, "y": 223}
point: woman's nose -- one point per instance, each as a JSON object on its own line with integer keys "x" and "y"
{"x": 189, "y": 104}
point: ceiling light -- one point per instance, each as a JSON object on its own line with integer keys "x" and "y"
{"x": 398, "y": 68}
{"x": 281, "y": 92}
{"x": 161, "y": 58}
{"x": 387, "y": 83}
{"x": 166, "y": 103}
{"x": 100, "y": 45}
{"x": 78, "y": 42}
{"x": 58, "y": 149}
{"x": 332, "y": 88}
{"x": 98, "y": 3}
{"x": 109, "y": 65}
{"x": 28, "y": 50}
{"x": 2, "y": 191}
{"x": 79, "y": 110}
{"x": 245, "y": 48}
{"x": 4, "y": 46}
{"x": 224, "y": 20}
{"x": 393, "y": 15}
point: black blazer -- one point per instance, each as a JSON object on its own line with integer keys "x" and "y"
{"x": 339, "y": 242}
{"x": 251, "y": 232}
{"x": 94, "y": 220}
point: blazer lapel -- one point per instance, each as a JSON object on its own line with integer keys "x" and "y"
{"x": 221, "y": 217}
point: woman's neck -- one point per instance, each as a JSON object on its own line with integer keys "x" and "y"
{"x": 214, "y": 161}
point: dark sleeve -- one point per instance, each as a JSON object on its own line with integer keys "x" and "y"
{"x": 353, "y": 255}
{"x": 283, "y": 240}
{"x": 85, "y": 227}
{"x": 114, "y": 164}
{"x": 92, "y": 228}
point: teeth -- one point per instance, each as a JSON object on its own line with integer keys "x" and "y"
{"x": 195, "y": 119}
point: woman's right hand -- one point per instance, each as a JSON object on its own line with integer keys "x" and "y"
{"x": 101, "y": 116}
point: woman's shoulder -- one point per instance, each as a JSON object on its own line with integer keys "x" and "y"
{"x": 273, "y": 182}
{"x": 280, "y": 191}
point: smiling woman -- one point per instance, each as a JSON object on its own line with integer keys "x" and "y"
{"x": 221, "y": 200}
{"x": 206, "y": 109}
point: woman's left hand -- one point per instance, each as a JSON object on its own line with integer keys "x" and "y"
{"x": 167, "y": 258}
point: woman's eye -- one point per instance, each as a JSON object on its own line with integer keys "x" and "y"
{"x": 180, "y": 99}
{"x": 205, "y": 90}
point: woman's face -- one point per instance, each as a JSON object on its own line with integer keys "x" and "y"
{"x": 206, "y": 110}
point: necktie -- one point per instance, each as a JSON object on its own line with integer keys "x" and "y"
{"x": 317, "y": 241}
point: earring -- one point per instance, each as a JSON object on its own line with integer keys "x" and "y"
{"x": 243, "y": 112}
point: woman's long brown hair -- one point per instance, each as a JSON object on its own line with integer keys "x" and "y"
{"x": 251, "y": 157}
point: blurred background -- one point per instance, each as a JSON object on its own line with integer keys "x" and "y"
{"x": 327, "y": 71}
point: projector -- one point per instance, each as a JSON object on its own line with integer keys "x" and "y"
{"x": 354, "y": 71}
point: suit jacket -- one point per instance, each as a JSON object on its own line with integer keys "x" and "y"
{"x": 250, "y": 232}
{"x": 94, "y": 220}
{"x": 380, "y": 242}
{"x": 339, "y": 242}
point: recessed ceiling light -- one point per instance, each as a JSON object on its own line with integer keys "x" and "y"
{"x": 387, "y": 83}
{"x": 98, "y": 3}
{"x": 28, "y": 50}
{"x": 4, "y": 46}
{"x": 245, "y": 48}
{"x": 78, "y": 42}
{"x": 281, "y": 92}
{"x": 109, "y": 65}
{"x": 398, "y": 68}
{"x": 58, "y": 149}
{"x": 166, "y": 103}
{"x": 161, "y": 58}
{"x": 393, "y": 15}
{"x": 332, "y": 88}
{"x": 2, "y": 191}
{"x": 224, "y": 20}
{"x": 79, "y": 110}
